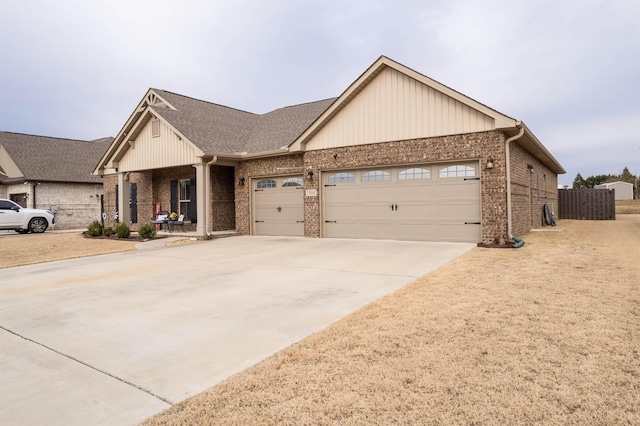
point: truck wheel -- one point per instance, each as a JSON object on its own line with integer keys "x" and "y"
{"x": 38, "y": 225}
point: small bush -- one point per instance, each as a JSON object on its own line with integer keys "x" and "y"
{"x": 122, "y": 230}
{"x": 95, "y": 229}
{"x": 107, "y": 231}
{"x": 147, "y": 231}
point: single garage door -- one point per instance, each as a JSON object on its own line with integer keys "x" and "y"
{"x": 439, "y": 202}
{"x": 278, "y": 207}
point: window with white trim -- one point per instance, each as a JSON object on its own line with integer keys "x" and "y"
{"x": 184, "y": 197}
{"x": 342, "y": 177}
{"x": 293, "y": 181}
{"x": 457, "y": 171}
{"x": 376, "y": 176}
{"x": 414, "y": 173}
{"x": 267, "y": 183}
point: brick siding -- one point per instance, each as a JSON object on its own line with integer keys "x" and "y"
{"x": 78, "y": 203}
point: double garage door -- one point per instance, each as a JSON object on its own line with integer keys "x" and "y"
{"x": 439, "y": 202}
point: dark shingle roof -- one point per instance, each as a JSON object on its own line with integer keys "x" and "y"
{"x": 55, "y": 159}
{"x": 217, "y": 129}
{"x": 211, "y": 127}
{"x": 283, "y": 126}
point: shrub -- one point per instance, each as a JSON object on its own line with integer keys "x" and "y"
{"x": 107, "y": 231}
{"x": 122, "y": 230}
{"x": 147, "y": 231}
{"x": 95, "y": 229}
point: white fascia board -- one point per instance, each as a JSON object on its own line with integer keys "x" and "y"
{"x": 126, "y": 130}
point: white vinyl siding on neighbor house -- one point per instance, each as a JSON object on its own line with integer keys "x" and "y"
{"x": 415, "y": 203}
{"x": 149, "y": 152}
{"x": 394, "y": 106}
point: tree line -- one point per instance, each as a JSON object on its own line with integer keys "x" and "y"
{"x": 592, "y": 181}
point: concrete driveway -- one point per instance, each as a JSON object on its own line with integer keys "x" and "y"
{"x": 114, "y": 339}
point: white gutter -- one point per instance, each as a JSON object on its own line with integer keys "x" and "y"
{"x": 508, "y": 173}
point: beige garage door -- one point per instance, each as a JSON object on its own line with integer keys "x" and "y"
{"x": 278, "y": 207}
{"x": 438, "y": 202}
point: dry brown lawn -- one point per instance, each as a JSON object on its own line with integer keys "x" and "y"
{"x": 546, "y": 334}
{"x": 17, "y": 250}
{"x": 628, "y": 207}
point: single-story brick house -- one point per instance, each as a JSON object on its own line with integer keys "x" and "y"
{"x": 396, "y": 156}
{"x": 53, "y": 173}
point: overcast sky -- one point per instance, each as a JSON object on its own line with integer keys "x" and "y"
{"x": 569, "y": 69}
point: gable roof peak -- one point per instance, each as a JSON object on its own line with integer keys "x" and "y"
{"x": 190, "y": 98}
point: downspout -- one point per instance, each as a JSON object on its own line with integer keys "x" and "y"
{"x": 508, "y": 174}
{"x": 207, "y": 195}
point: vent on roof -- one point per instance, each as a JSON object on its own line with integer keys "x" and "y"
{"x": 155, "y": 128}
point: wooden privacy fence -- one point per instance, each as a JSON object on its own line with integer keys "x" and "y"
{"x": 587, "y": 204}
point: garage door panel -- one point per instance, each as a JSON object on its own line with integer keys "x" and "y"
{"x": 414, "y": 206}
{"x": 458, "y": 210}
{"x": 457, "y": 233}
{"x": 414, "y": 192}
{"x": 416, "y": 231}
{"x": 462, "y": 190}
{"x": 278, "y": 209}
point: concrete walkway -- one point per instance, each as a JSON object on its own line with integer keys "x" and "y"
{"x": 114, "y": 339}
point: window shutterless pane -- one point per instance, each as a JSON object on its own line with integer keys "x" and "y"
{"x": 414, "y": 173}
{"x": 342, "y": 177}
{"x": 267, "y": 183}
{"x": 295, "y": 181}
{"x": 376, "y": 176}
{"x": 457, "y": 171}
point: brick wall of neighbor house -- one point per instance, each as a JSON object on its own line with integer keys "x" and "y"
{"x": 222, "y": 196}
{"x": 3, "y": 191}
{"x": 530, "y": 190}
{"x": 109, "y": 183}
{"x": 78, "y": 203}
{"x": 20, "y": 189}
{"x": 273, "y": 166}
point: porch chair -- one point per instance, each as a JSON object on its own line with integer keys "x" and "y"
{"x": 179, "y": 222}
{"x": 161, "y": 218}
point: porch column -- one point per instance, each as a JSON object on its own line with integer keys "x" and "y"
{"x": 201, "y": 196}
{"x": 124, "y": 211}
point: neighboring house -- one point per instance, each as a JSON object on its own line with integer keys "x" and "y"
{"x": 396, "y": 156}
{"x": 52, "y": 173}
{"x": 624, "y": 190}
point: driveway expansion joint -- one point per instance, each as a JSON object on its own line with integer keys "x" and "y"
{"x": 147, "y": 391}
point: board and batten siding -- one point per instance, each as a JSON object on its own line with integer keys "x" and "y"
{"x": 395, "y": 106}
{"x": 166, "y": 150}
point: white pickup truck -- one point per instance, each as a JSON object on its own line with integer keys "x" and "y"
{"x": 23, "y": 220}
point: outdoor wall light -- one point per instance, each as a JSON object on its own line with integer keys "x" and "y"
{"x": 241, "y": 181}
{"x": 309, "y": 173}
{"x": 335, "y": 156}
{"x": 490, "y": 163}
{"x": 530, "y": 167}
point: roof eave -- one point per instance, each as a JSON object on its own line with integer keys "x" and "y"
{"x": 535, "y": 147}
